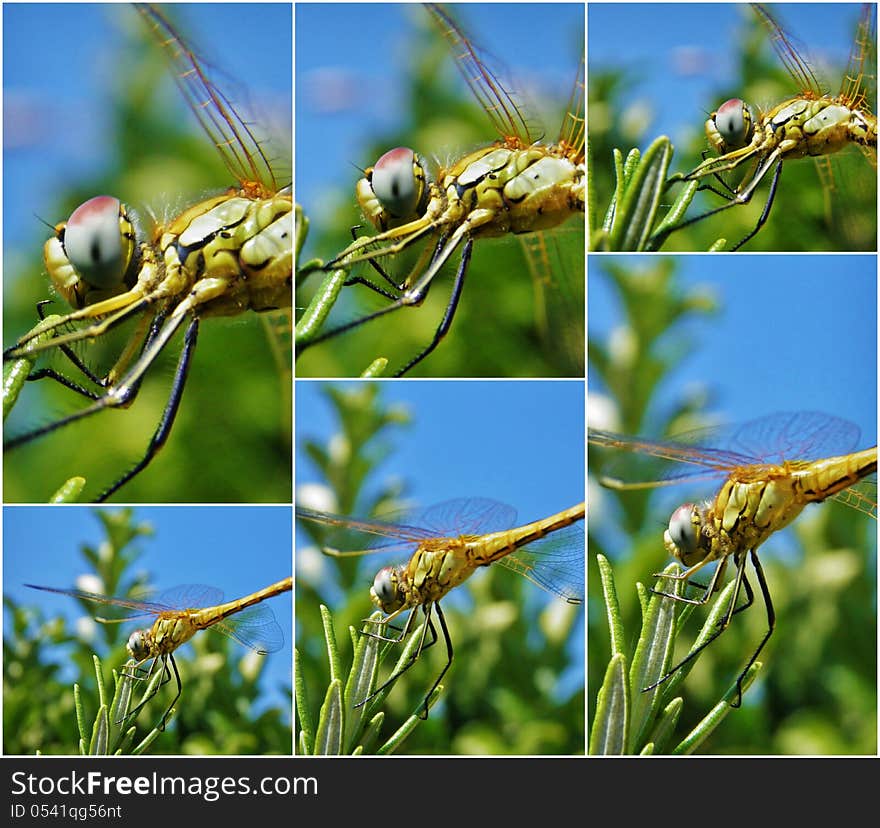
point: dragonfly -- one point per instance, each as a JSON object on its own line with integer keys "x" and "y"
{"x": 181, "y": 612}
{"x": 771, "y": 469}
{"x": 812, "y": 123}
{"x": 148, "y": 284}
{"x": 519, "y": 185}
{"x": 445, "y": 545}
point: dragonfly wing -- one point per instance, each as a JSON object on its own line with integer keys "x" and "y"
{"x": 801, "y": 435}
{"x": 789, "y": 56}
{"x": 140, "y": 608}
{"x": 862, "y": 496}
{"x": 503, "y": 111}
{"x": 466, "y": 516}
{"x": 254, "y": 627}
{"x": 189, "y": 596}
{"x": 859, "y": 86}
{"x": 573, "y": 131}
{"x": 243, "y": 154}
{"x": 554, "y": 563}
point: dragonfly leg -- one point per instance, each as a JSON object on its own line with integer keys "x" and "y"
{"x": 722, "y": 626}
{"x": 406, "y": 299}
{"x": 122, "y": 395}
{"x": 448, "y": 314}
{"x": 767, "y": 205}
{"x": 170, "y": 412}
{"x": 771, "y": 624}
{"x": 102, "y": 382}
{"x": 170, "y": 709}
{"x": 449, "y": 654}
{"x": 685, "y": 576}
{"x": 420, "y": 647}
{"x": 361, "y": 280}
{"x": 742, "y": 198}
{"x": 140, "y": 674}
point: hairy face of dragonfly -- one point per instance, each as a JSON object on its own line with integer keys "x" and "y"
{"x": 131, "y": 139}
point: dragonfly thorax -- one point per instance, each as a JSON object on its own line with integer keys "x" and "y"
{"x": 92, "y": 253}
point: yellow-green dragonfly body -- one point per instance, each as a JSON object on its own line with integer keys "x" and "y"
{"x": 811, "y": 124}
{"x": 447, "y": 543}
{"x": 180, "y": 613}
{"x": 223, "y": 256}
{"x": 769, "y": 478}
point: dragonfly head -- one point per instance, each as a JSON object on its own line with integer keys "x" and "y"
{"x": 731, "y": 126}
{"x": 386, "y": 592}
{"x": 92, "y": 252}
{"x": 393, "y": 191}
{"x": 140, "y": 645}
{"x": 682, "y": 537}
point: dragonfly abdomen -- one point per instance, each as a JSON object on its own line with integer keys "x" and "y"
{"x": 822, "y": 479}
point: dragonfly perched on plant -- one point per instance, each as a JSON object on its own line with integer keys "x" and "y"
{"x": 213, "y": 250}
{"x": 771, "y": 469}
{"x": 445, "y": 544}
{"x": 181, "y": 612}
{"x": 810, "y": 123}
{"x": 426, "y": 216}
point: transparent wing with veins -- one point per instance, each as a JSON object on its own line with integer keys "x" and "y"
{"x": 233, "y": 137}
{"x": 711, "y": 453}
{"x": 503, "y": 111}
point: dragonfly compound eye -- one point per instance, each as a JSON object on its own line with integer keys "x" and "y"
{"x": 384, "y": 591}
{"x": 398, "y": 182}
{"x": 733, "y": 125}
{"x": 99, "y": 242}
{"x": 683, "y": 534}
{"x": 139, "y": 645}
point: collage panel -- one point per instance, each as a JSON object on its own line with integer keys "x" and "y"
{"x": 172, "y": 190}
{"x": 148, "y": 630}
{"x": 445, "y": 478}
{"x": 727, "y": 398}
{"x": 737, "y": 126}
{"x": 465, "y": 136}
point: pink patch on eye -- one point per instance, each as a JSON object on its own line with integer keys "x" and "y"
{"x": 97, "y": 206}
{"x": 399, "y": 155}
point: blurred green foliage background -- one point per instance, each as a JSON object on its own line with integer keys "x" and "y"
{"x": 515, "y": 685}
{"x": 801, "y": 219}
{"x": 216, "y": 712}
{"x": 817, "y": 693}
{"x": 231, "y": 437}
{"x": 510, "y": 322}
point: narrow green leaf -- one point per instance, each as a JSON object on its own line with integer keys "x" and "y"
{"x": 716, "y": 715}
{"x": 608, "y": 736}
{"x": 328, "y": 738}
{"x": 407, "y": 727}
{"x": 303, "y": 706}
{"x": 612, "y": 606}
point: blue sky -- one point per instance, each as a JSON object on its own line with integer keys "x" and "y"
{"x": 521, "y": 443}
{"x": 794, "y": 333}
{"x": 56, "y": 81}
{"x": 679, "y": 54}
{"x": 237, "y": 550}
{"x": 350, "y": 91}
